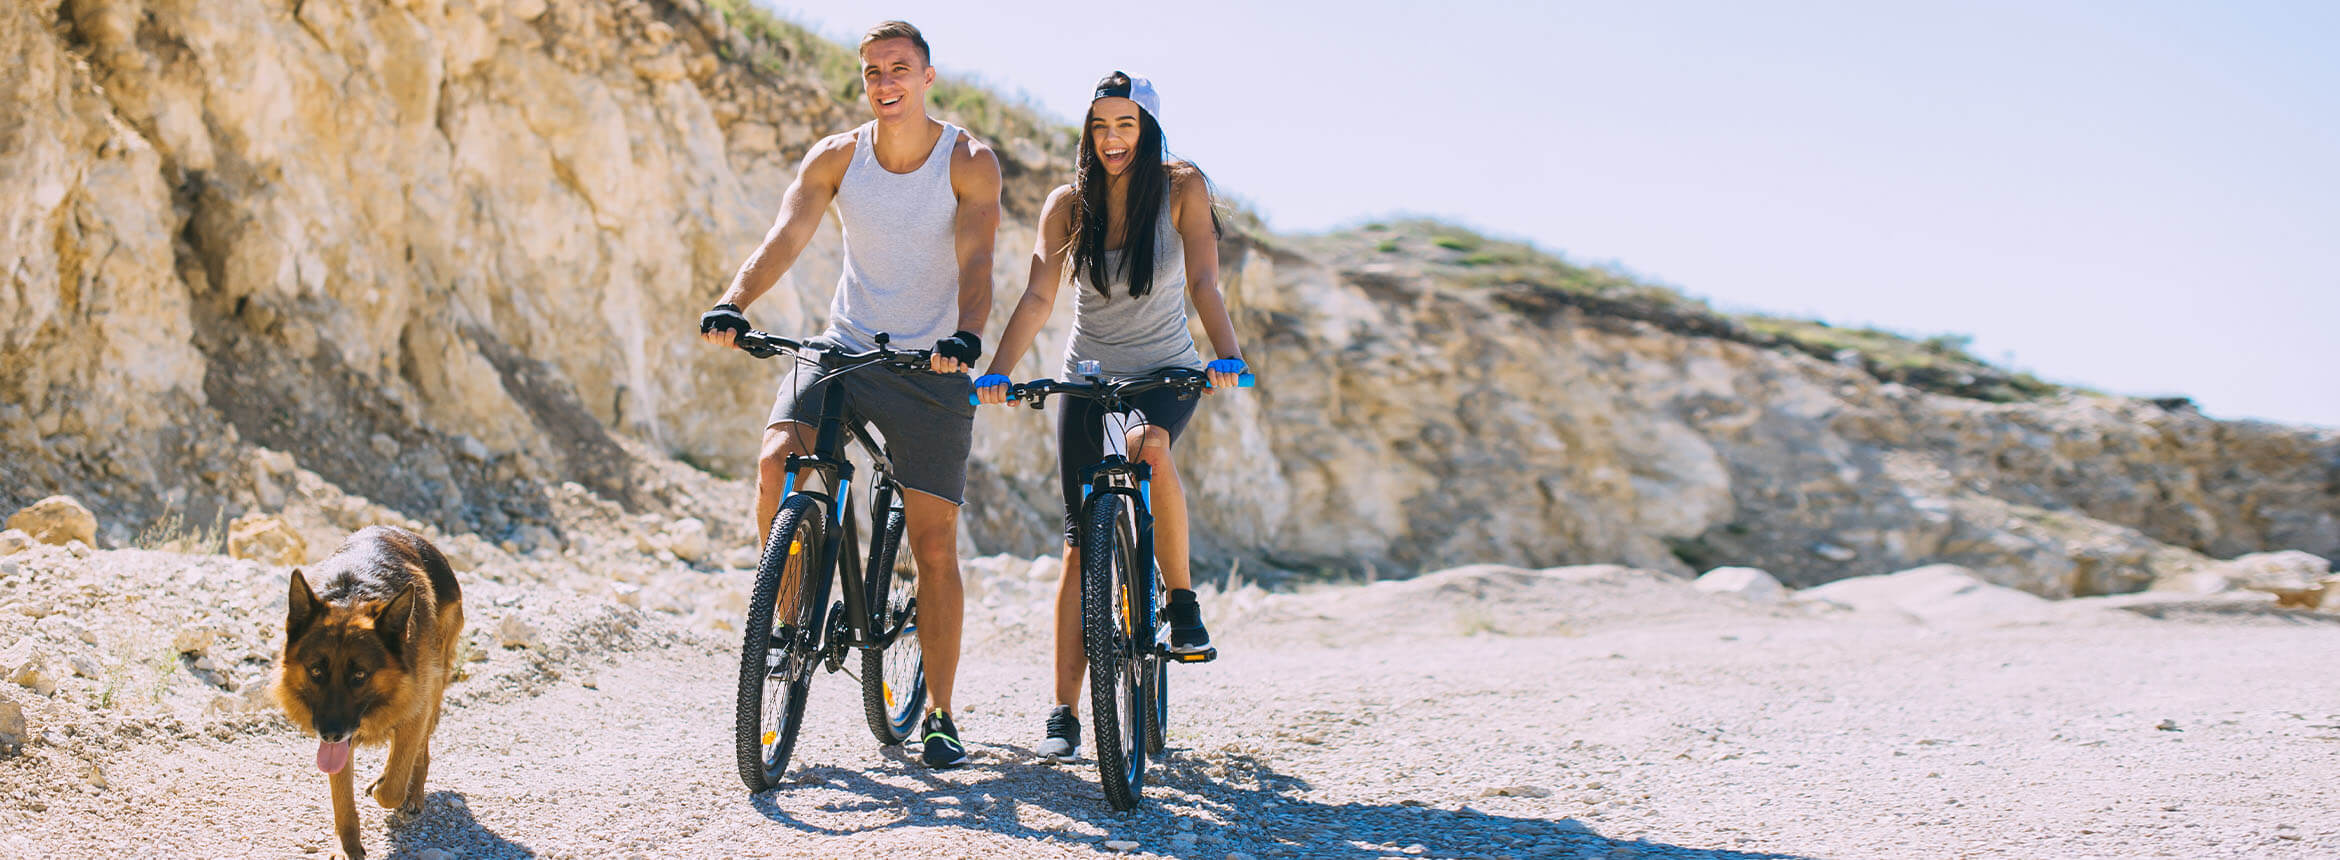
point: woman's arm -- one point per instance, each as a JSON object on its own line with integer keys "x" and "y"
{"x": 1202, "y": 270}
{"x": 1039, "y": 301}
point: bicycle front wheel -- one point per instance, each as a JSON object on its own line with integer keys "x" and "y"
{"x": 1110, "y": 623}
{"x": 893, "y": 678}
{"x": 786, "y": 616}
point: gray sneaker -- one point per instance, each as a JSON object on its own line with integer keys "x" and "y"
{"x": 1064, "y": 734}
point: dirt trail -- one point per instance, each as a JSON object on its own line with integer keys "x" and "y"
{"x": 1716, "y": 730}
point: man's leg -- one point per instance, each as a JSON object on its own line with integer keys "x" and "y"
{"x": 780, "y": 441}
{"x": 933, "y": 531}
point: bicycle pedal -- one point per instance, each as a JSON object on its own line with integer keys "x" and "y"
{"x": 1204, "y": 656}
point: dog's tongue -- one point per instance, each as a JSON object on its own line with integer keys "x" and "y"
{"x": 332, "y": 757}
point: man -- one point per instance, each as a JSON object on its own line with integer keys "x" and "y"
{"x": 919, "y": 203}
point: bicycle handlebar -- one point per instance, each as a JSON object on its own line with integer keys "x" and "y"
{"x": 763, "y": 344}
{"x": 1037, "y": 390}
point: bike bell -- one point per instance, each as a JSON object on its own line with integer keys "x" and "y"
{"x": 1088, "y": 367}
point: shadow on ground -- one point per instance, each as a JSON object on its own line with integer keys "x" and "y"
{"x": 1243, "y": 804}
{"x": 446, "y": 824}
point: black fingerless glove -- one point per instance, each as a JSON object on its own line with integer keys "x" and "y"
{"x": 724, "y": 317}
{"x": 966, "y": 346}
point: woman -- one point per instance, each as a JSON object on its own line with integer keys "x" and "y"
{"x": 1126, "y": 203}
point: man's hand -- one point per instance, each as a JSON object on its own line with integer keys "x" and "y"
{"x": 957, "y": 353}
{"x": 723, "y": 324}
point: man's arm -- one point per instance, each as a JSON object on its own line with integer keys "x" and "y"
{"x": 975, "y": 181}
{"x": 800, "y": 216}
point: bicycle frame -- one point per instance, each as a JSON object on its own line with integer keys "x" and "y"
{"x": 1117, "y": 474}
{"x": 828, "y": 478}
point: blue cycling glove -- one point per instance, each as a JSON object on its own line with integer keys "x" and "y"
{"x": 1226, "y": 365}
{"x": 990, "y": 379}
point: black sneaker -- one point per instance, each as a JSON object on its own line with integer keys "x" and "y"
{"x": 940, "y": 739}
{"x": 1187, "y": 634}
{"x": 1064, "y": 734}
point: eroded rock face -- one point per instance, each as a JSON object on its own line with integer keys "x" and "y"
{"x": 447, "y": 257}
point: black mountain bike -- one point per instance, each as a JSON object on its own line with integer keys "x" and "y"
{"x": 791, "y": 626}
{"x": 1121, "y": 597}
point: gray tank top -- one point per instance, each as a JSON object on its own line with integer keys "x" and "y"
{"x": 1129, "y": 335}
{"x": 901, "y": 271}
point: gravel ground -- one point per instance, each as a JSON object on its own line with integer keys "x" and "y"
{"x": 1483, "y": 712}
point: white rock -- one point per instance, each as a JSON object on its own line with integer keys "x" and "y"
{"x": 1044, "y": 569}
{"x": 1120, "y": 845}
{"x": 272, "y": 462}
{"x": 14, "y": 541}
{"x": 87, "y": 666}
{"x": 194, "y": 640}
{"x": 2290, "y": 569}
{"x": 68, "y": 629}
{"x": 516, "y": 632}
{"x": 1751, "y": 583}
{"x": 1934, "y": 594}
{"x": 686, "y": 538}
{"x": 626, "y": 594}
{"x": 742, "y": 558}
{"x": 1832, "y": 552}
{"x": 267, "y": 540}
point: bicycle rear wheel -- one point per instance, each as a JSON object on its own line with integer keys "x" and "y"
{"x": 786, "y": 614}
{"x": 893, "y": 678}
{"x": 1110, "y": 621}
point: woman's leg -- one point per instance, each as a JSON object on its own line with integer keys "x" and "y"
{"x": 1071, "y": 661}
{"x": 1079, "y": 444}
{"x": 1150, "y": 444}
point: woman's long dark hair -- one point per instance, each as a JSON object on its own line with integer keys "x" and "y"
{"x": 1149, "y": 182}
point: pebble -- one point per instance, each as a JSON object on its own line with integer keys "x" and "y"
{"x": 1120, "y": 845}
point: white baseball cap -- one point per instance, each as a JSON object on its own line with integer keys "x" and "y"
{"x": 1137, "y": 89}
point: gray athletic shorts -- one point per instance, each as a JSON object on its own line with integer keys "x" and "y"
{"x": 925, "y": 418}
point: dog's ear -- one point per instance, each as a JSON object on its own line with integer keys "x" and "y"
{"x": 301, "y": 608}
{"x": 394, "y": 618}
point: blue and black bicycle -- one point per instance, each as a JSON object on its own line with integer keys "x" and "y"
{"x": 1121, "y": 595}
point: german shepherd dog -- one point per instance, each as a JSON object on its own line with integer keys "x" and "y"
{"x": 367, "y": 656}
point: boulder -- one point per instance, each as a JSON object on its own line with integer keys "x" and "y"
{"x": 56, "y": 520}
{"x": 2299, "y": 580}
{"x": 1748, "y": 582}
{"x": 267, "y": 540}
{"x": 1933, "y": 594}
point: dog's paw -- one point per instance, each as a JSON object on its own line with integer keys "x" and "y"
{"x": 390, "y": 797}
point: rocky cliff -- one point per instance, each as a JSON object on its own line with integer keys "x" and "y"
{"x": 446, "y": 255}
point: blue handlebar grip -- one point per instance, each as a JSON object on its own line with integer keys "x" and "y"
{"x": 974, "y": 399}
{"x": 1244, "y": 380}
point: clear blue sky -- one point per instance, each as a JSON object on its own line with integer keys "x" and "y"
{"x": 2142, "y": 197}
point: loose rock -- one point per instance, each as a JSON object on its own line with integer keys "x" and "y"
{"x": 1748, "y": 582}
{"x": 267, "y": 540}
{"x": 56, "y": 520}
